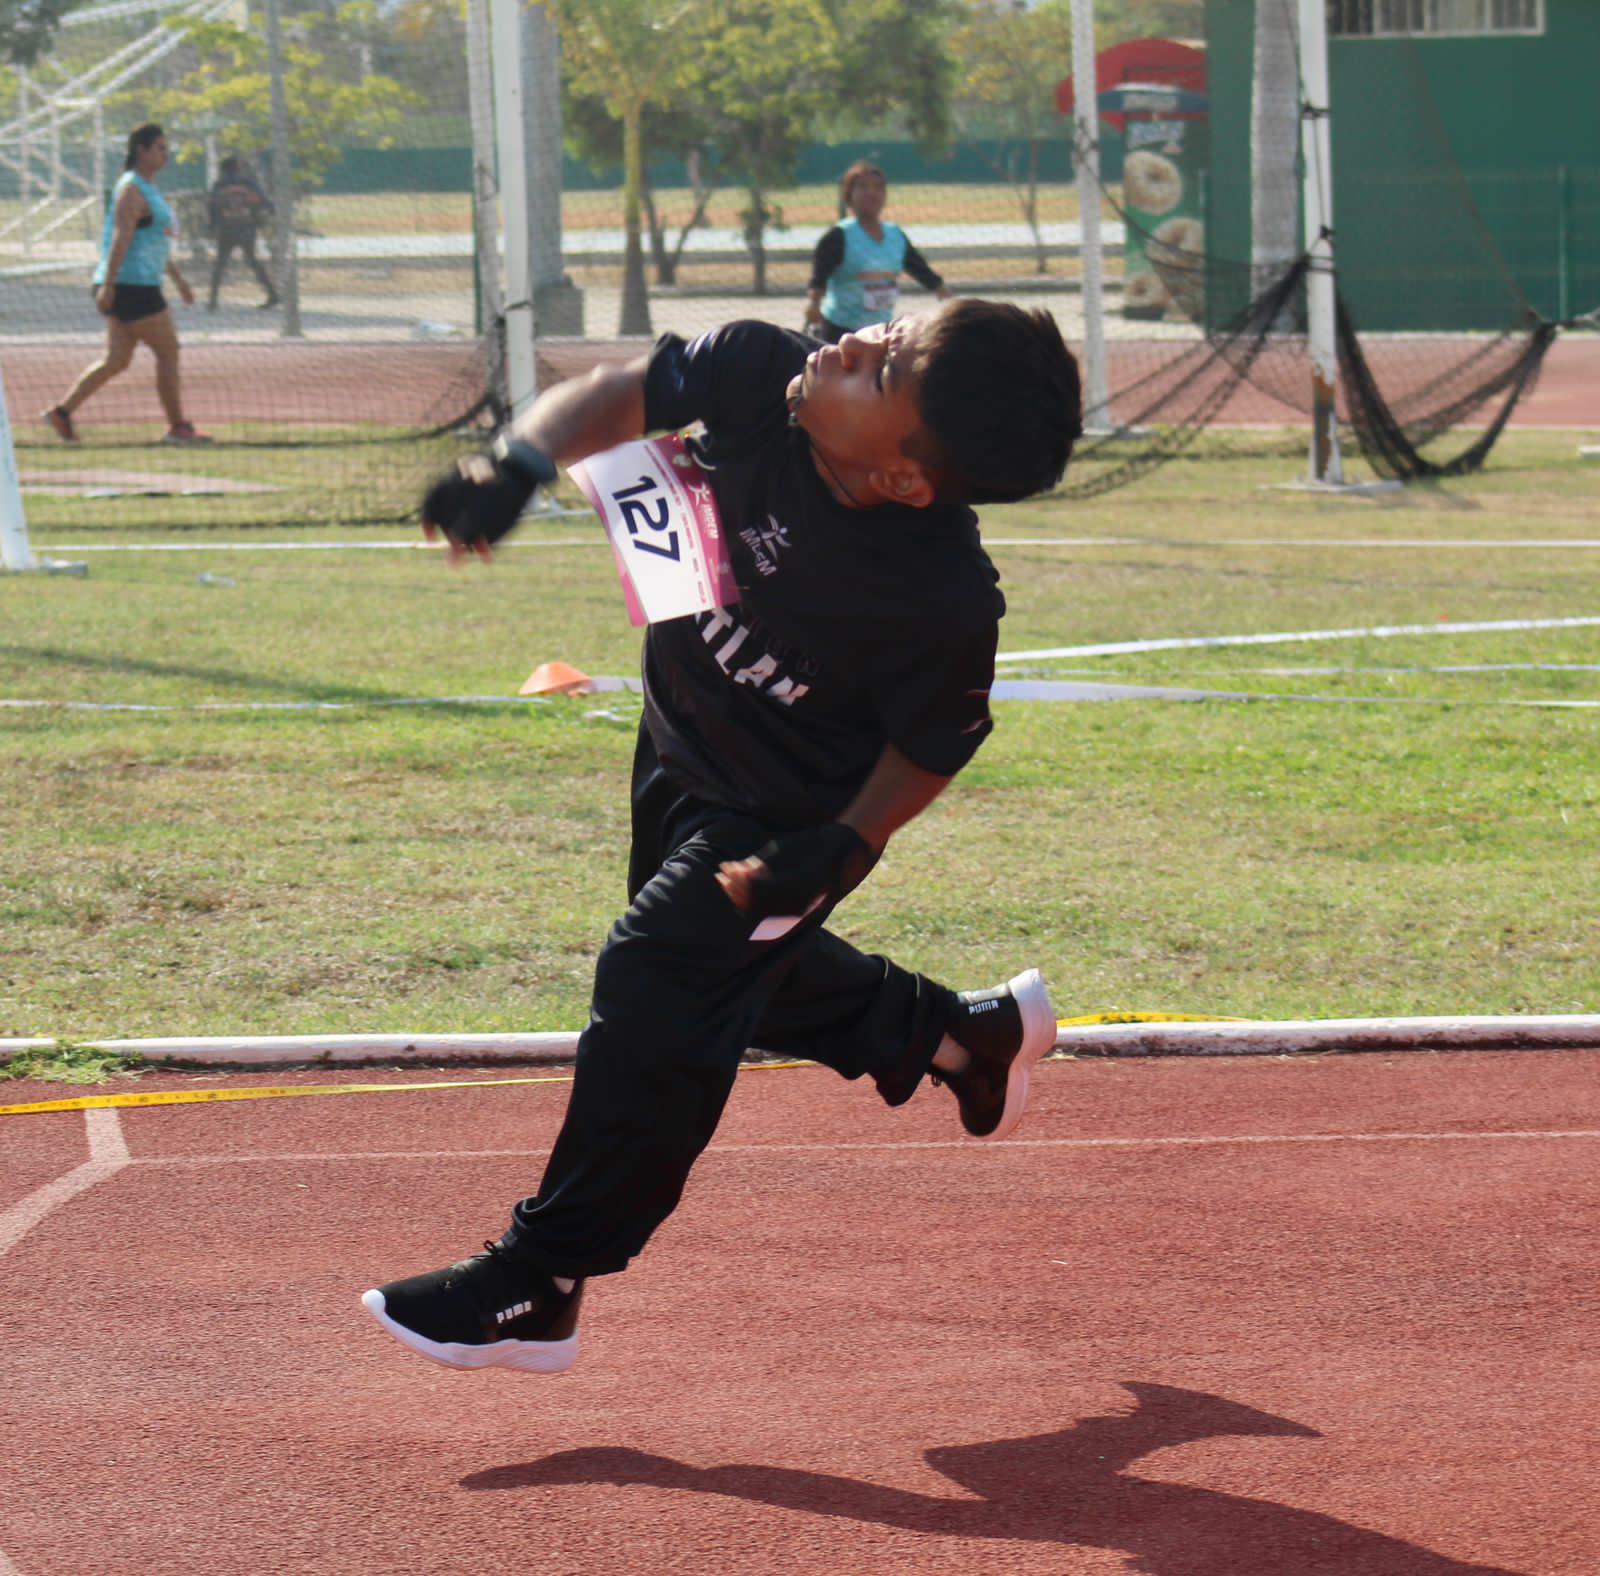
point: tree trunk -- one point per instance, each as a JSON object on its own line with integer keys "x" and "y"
{"x": 755, "y": 231}
{"x": 1040, "y": 257}
{"x": 1274, "y": 144}
{"x": 635, "y": 293}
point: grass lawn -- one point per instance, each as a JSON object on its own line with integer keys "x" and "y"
{"x": 1409, "y": 844}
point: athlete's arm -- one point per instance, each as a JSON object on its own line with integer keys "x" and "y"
{"x": 586, "y": 415}
{"x": 131, "y": 207}
{"x": 184, "y": 288}
{"x": 824, "y": 861}
{"x": 480, "y": 499}
{"x": 896, "y": 792}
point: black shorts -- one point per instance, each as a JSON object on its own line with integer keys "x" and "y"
{"x": 136, "y": 301}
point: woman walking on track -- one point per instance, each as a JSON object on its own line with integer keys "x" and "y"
{"x": 135, "y": 254}
{"x": 786, "y": 735}
{"x": 856, "y": 267}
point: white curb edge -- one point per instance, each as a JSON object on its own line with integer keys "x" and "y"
{"x": 1307, "y": 1037}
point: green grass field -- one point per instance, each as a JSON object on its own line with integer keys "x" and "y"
{"x": 1413, "y": 844}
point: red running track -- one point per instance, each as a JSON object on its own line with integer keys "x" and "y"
{"x": 410, "y": 384}
{"x": 1201, "y": 1319}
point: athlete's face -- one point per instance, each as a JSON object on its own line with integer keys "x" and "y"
{"x": 859, "y": 402}
{"x": 868, "y": 193}
{"x": 152, "y": 158}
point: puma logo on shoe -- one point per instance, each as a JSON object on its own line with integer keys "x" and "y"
{"x": 516, "y": 1311}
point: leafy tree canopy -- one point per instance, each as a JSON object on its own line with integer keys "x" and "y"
{"x": 28, "y": 27}
{"x": 331, "y": 103}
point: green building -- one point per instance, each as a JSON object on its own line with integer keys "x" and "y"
{"x": 1466, "y": 152}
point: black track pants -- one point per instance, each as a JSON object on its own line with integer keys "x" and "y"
{"x": 680, "y": 991}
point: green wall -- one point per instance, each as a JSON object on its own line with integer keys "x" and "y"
{"x": 1466, "y": 170}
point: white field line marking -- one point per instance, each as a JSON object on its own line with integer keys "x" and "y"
{"x": 1117, "y": 648}
{"x": 1184, "y": 1141}
{"x": 1551, "y": 544}
{"x": 408, "y": 545}
{"x": 6, "y": 1567}
{"x": 108, "y": 1154}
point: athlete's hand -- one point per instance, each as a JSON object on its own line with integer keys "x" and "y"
{"x": 794, "y": 873}
{"x": 479, "y": 499}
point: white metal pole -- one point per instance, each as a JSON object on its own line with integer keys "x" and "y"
{"x": 509, "y": 38}
{"x": 1086, "y": 162}
{"x": 1316, "y": 148}
{"x": 24, "y": 154}
{"x": 15, "y": 551}
{"x": 485, "y": 191}
{"x": 99, "y": 122}
{"x": 288, "y": 280}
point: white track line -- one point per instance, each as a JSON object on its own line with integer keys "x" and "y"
{"x": 1546, "y": 544}
{"x": 108, "y": 1154}
{"x": 1117, "y": 648}
{"x": 1186, "y": 1141}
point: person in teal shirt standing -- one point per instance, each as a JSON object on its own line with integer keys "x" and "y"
{"x": 135, "y": 255}
{"x": 856, "y": 268}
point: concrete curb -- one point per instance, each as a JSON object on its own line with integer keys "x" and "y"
{"x": 1324, "y": 1036}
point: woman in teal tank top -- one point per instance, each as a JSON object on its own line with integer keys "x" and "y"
{"x": 856, "y": 267}
{"x": 135, "y": 255}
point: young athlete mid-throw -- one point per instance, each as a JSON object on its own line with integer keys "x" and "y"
{"x": 786, "y": 736}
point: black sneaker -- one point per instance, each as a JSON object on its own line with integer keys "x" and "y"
{"x": 485, "y": 1312}
{"x": 1005, "y": 1030}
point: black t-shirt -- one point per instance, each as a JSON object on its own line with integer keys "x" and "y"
{"x": 855, "y": 628}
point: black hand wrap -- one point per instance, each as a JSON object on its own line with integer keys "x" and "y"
{"x": 473, "y": 513}
{"x": 819, "y": 863}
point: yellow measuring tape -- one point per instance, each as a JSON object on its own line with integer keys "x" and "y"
{"x": 123, "y": 1102}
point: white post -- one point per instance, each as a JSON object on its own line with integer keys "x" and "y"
{"x": 288, "y": 280}
{"x": 99, "y": 163}
{"x": 1086, "y": 162}
{"x": 24, "y": 154}
{"x": 509, "y": 40}
{"x": 1316, "y": 149}
{"x": 485, "y": 190}
{"x": 15, "y": 551}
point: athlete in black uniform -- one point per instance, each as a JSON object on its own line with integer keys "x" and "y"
{"x": 784, "y": 740}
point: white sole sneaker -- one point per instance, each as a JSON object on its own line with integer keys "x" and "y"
{"x": 529, "y": 1357}
{"x": 1038, "y": 1036}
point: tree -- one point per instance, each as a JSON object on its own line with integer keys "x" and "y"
{"x": 1011, "y": 61}
{"x": 916, "y": 38}
{"x": 763, "y": 73}
{"x": 629, "y": 54}
{"x": 28, "y": 27}
{"x": 331, "y": 101}
{"x": 595, "y": 136}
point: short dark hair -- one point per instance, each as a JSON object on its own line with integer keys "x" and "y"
{"x": 1001, "y": 402}
{"x": 857, "y": 171}
{"x": 139, "y": 139}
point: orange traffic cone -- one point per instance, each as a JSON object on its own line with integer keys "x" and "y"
{"x": 557, "y": 678}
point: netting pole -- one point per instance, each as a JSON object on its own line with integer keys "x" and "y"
{"x": 1091, "y": 256}
{"x": 1316, "y": 150}
{"x": 282, "y": 179}
{"x": 508, "y": 32}
{"x": 15, "y": 551}
{"x": 24, "y": 154}
{"x": 485, "y": 194}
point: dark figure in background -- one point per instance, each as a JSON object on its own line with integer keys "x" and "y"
{"x": 238, "y": 207}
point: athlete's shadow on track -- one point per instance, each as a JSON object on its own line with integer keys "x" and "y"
{"x": 1070, "y": 1487}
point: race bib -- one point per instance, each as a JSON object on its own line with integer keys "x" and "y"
{"x": 662, "y": 521}
{"x": 879, "y": 294}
